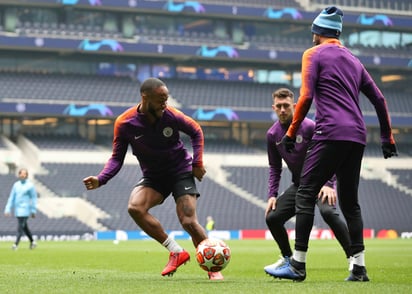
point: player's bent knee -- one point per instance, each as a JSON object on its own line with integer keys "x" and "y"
{"x": 189, "y": 223}
{"x": 134, "y": 210}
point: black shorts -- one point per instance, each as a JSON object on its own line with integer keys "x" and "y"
{"x": 178, "y": 185}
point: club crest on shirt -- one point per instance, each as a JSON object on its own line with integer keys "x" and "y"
{"x": 167, "y": 132}
{"x": 299, "y": 139}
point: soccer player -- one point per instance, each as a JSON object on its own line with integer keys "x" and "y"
{"x": 152, "y": 129}
{"x": 333, "y": 77}
{"x": 281, "y": 208}
{"x": 23, "y": 199}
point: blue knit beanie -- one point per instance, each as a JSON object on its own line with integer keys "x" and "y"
{"x": 328, "y": 23}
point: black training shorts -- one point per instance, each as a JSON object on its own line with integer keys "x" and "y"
{"x": 178, "y": 185}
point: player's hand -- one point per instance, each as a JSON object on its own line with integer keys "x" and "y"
{"x": 271, "y": 205}
{"x": 7, "y": 214}
{"x": 289, "y": 143}
{"x": 91, "y": 182}
{"x": 327, "y": 194}
{"x": 198, "y": 172}
{"x": 33, "y": 215}
{"x": 389, "y": 150}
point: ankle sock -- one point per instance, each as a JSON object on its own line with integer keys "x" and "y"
{"x": 172, "y": 245}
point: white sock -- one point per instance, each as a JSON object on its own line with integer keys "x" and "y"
{"x": 172, "y": 245}
{"x": 350, "y": 263}
{"x": 359, "y": 258}
{"x": 299, "y": 256}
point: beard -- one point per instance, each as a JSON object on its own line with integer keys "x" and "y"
{"x": 285, "y": 121}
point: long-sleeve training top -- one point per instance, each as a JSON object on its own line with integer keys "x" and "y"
{"x": 157, "y": 147}
{"x": 294, "y": 160}
{"x": 333, "y": 77}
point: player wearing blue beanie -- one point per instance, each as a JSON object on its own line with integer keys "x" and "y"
{"x": 333, "y": 78}
{"x": 328, "y": 23}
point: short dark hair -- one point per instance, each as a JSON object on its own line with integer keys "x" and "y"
{"x": 282, "y": 93}
{"x": 150, "y": 84}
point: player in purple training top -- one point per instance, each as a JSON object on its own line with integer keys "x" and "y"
{"x": 333, "y": 77}
{"x": 152, "y": 130}
{"x": 281, "y": 208}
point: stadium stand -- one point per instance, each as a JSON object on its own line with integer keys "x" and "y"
{"x": 253, "y": 179}
{"x": 395, "y": 5}
{"x": 258, "y": 3}
{"x": 53, "y": 87}
{"x": 375, "y": 4}
{"x": 216, "y": 198}
{"x": 71, "y": 185}
{"x": 228, "y": 147}
{"x": 64, "y": 180}
{"x": 404, "y": 176}
{"x": 123, "y": 91}
{"x": 383, "y": 207}
{"x": 113, "y": 197}
{"x": 60, "y": 142}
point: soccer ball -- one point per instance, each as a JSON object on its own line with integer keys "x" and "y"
{"x": 213, "y": 255}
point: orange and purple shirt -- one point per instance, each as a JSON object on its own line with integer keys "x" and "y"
{"x": 333, "y": 77}
{"x": 294, "y": 160}
{"x": 158, "y": 147}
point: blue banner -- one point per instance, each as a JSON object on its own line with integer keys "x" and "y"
{"x": 216, "y": 114}
{"x": 164, "y": 50}
{"x": 121, "y": 235}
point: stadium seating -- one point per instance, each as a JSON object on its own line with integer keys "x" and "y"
{"x": 2, "y": 145}
{"x": 72, "y": 184}
{"x": 123, "y": 91}
{"x": 60, "y": 142}
{"x": 255, "y": 179}
{"x": 404, "y": 176}
{"x": 68, "y": 88}
{"x": 258, "y": 3}
{"x": 383, "y": 207}
{"x": 113, "y": 197}
{"x": 377, "y": 199}
{"x": 395, "y": 5}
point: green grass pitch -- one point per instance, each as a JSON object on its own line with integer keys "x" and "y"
{"x": 135, "y": 266}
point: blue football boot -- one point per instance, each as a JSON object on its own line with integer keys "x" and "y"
{"x": 289, "y": 271}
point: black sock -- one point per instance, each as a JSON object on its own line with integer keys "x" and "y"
{"x": 297, "y": 265}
